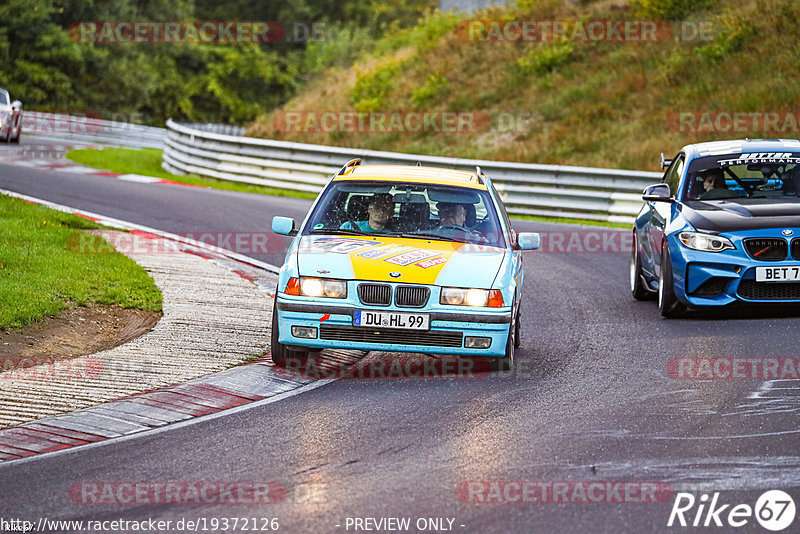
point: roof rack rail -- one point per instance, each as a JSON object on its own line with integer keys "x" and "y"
{"x": 480, "y": 174}
{"x": 665, "y": 162}
{"x": 351, "y": 163}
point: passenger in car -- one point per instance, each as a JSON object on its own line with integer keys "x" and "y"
{"x": 451, "y": 214}
{"x": 452, "y": 217}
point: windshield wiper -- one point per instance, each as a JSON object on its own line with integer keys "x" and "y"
{"x": 345, "y": 231}
{"x": 425, "y": 235}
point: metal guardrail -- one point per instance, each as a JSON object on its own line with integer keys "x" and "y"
{"x": 527, "y": 189}
{"x": 226, "y": 129}
{"x": 80, "y": 128}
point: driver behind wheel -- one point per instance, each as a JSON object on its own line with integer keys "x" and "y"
{"x": 714, "y": 186}
{"x": 381, "y": 210}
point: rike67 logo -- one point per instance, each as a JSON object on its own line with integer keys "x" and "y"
{"x": 774, "y": 510}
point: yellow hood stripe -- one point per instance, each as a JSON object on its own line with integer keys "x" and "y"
{"x": 418, "y": 261}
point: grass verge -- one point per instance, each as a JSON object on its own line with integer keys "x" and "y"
{"x": 579, "y": 222}
{"x": 39, "y": 276}
{"x": 147, "y": 162}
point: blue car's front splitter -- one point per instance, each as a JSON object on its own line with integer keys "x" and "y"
{"x": 722, "y": 278}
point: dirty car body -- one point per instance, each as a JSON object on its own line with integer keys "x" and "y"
{"x": 420, "y": 282}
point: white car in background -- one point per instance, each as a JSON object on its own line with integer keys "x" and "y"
{"x": 10, "y": 118}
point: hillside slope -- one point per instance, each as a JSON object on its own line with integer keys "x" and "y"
{"x": 609, "y": 103}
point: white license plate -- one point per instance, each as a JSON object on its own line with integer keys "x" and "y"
{"x": 778, "y": 274}
{"x": 405, "y": 321}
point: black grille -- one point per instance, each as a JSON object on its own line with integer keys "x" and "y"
{"x": 411, "y": 296}
{"x": 711, "y": 287}
{"x": 769, "y": 249}
{"x": 752, "y": 290}
{"x": 375, "y": 294}
{"x": 431, "y": 338}
{"x": 796, "y": 248}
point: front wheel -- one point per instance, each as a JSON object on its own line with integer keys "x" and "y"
{"x": 668, "y": 303}
{"x": 638, "y": 289}
{"x": 279, "y": 351}
{"x": 506, "y": 363}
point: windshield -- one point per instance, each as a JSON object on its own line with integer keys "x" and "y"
{"x": 739, "y": 176}
{"x": 3, "y": 98}
{"x": 423, "y": 211}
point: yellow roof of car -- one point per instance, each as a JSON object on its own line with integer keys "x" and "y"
{"x": 407, "y": 173}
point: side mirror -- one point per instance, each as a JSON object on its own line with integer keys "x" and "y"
{"x": 528, "y": 240}
{"x": 656, "y": 193}
{"x": 16, "y": 105}
{"x": 283, "y": 226}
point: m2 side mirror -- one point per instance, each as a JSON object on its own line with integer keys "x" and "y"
{"x": 657, "y": 193}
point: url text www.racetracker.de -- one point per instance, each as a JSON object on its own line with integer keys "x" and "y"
{"x": 177, "y": 526}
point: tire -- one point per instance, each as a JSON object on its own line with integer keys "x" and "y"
{"x": 278, "y": 351}
{"x": 517, "y": 331}
{"x": 638, "y": 288}
{"x": 668, "y": 303}
{"x": 506, "y": 364}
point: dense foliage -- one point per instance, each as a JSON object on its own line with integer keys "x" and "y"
{"x": 51, "y": 69}
{"x": 604, "y": 103}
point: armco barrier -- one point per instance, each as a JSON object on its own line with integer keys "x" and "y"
{"x": 527, "y": 189}
{"x": 79, "y": 127}
{"x": 71, "y": 127}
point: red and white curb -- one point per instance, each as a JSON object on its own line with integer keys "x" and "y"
{"x": 26, "y": 156}
{"x": 217, "y": 394}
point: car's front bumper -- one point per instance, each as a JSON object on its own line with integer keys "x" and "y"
{"x": 721, "y": 278}
{"x": 333, "y": 323}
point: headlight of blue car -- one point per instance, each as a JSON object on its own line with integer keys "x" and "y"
{"x": 705, "y": 242}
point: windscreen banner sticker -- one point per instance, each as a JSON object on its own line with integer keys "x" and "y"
{"x": 761, "y": 157}
{"x": 431, "y": 262}
{"x": 337, "y": 245}
{"x": 413, "y": 256}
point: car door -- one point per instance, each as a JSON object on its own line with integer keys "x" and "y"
{"x": 656, "y": 216}
{"x": 515, "y": 263}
